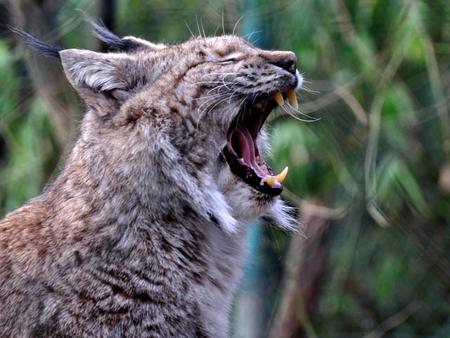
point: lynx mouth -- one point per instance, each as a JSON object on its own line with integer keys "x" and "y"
{"x": 241, "y": 151}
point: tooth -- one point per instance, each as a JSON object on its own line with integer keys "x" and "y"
{"x": 270, "y": 180}
{"x": 279, "y": 98}
{"x": 292, "y": 98}
{"x": 281, "y": 176}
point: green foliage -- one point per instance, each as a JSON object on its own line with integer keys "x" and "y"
{"x": 386, "y": 171}
{"x": 24, "y": 128}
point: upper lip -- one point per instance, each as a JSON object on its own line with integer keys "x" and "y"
{"x": 241, "y": 151}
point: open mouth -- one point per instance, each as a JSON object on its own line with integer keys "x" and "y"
{"x": 241, "y": 151}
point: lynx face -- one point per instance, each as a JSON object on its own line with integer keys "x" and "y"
{"x": 245, "y": 84}
{"x": 212, "y": 97}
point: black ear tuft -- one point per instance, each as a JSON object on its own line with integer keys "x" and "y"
{"x": 33, "y": 42}
{"x": 126, "y": 44}
{"x": 108, "y": 37}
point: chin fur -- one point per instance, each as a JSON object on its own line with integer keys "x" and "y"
{"x": 246, "y": 203}
{"x": 282, "y": 216}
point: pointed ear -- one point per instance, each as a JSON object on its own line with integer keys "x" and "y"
{"x": 102, "y": 80}
{"x": 138, "y": 43}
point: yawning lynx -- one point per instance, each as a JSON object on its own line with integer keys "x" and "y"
{"x": 142, "y": 233}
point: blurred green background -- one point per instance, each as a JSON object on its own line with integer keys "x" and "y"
{"x": 370, "y": 178}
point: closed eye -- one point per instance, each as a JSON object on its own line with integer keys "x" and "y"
{"x": 233, "y": 57}
{"x": 228, "y": 60}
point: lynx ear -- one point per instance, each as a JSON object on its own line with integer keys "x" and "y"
{"x": 138, "y": 43}
{"x": 102, "y": 80}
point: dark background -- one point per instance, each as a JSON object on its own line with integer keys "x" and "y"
{"x": 371, "y": 177}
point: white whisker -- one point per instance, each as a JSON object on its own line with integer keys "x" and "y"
{"x": 292, "y": 113}
{"x": 309, "y": 90}
{"x": 236, "y": 24}
{"x": 209, "y": 108}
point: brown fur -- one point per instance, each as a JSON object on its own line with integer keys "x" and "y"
{"x": 141, "y": 234}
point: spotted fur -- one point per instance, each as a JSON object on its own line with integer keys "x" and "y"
{"x": 142, "y": 232}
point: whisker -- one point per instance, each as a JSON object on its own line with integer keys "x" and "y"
{"x": 296, "y": 111}
{"x": 250, "y": 35}
{"x": 208, "y": 99}
{"x": 189, "y": 29}
{"x": 229, "y": 100}
{"x": 223, "y": 24}
{"x": 292, "y": 113}
{"x": 205, "y": 82}
{"x": 236, "y": 24}
{"x": 220, "y": 73}
{"x": 309, "y": 90}
{"x": 203, "y": 28}
{"x": 209, "y": 108}
{"x": 198, "y": 26}
{"x": 226, "y": 85}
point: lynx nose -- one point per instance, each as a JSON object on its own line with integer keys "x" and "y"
{"x": 285, "y": 60}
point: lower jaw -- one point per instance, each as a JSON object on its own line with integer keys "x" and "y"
{"x": 248, "y": 176}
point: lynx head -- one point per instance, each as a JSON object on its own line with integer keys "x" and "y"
{"x": 204, "y": 102}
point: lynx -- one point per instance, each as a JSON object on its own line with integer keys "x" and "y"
{"x": 142, "y": 232}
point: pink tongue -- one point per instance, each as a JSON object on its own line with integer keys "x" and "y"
{"x": 247, "y": 146}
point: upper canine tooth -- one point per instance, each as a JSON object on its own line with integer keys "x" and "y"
{"x": 292, "y": 98}
{"x": 279, "y": 98}
{"x": 281, "y": 176}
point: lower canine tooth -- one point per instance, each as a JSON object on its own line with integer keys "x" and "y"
{"x": 292, "y": 98}
{"x": 281, "y": 176}
{"x": 270, "y": 180}
{"x": 279, "y": 98}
